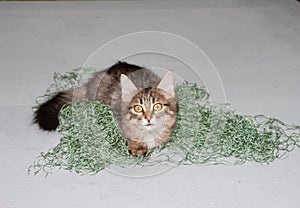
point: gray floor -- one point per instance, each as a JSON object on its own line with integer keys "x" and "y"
{"x": 254, "y": 46}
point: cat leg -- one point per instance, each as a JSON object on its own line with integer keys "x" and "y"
{"x": 137, "y": 148}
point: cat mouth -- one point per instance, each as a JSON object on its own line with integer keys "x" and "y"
{"x": 149, "y": 124}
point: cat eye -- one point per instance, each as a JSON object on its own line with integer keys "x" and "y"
{"x": 138, "y": 108}
{"x": 157, "y": 107}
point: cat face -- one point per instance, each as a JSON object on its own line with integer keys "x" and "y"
{"x": 149, "y": 109}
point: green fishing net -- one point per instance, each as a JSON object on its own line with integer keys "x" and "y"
{"x": 205, "y": 134}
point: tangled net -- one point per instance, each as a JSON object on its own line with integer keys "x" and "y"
{"x": 205, "y": 134}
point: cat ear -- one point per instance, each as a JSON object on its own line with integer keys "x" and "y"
{"x": 128, "y": 88}
{"x": 167, "y": 83}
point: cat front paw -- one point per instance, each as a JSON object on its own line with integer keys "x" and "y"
{"x": 138, "y": 149}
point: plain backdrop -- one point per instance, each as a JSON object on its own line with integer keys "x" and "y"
{"x": 253, "y": 44}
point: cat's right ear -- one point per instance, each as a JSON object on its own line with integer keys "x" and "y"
{"x": 128, "y": 88}
{"x": 167, "y": 83}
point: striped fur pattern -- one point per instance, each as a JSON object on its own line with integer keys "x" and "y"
{"x": 143, "y": 104}
{"x": 150, "y": 127}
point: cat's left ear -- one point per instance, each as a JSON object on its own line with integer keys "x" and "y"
{"x": 167, "y": 83}
{"x": 128, "y": 88}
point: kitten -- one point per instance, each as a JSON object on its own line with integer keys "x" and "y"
{"x": 143, "y": 105}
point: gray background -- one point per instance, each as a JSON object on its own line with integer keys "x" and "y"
{"x": 254, "y": 45}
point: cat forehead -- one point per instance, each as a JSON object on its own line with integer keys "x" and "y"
{"x": 148, "y": 93}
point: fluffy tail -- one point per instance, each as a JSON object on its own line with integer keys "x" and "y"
{"x": 46, "y": 116}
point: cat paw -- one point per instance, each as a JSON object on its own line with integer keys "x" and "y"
{"x": 137, "y": 149}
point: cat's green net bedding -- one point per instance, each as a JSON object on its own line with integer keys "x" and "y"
{"x": 204, "y": 134}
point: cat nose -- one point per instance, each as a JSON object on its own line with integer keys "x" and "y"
{"x": 148, "y": 118}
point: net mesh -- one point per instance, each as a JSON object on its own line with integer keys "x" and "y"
{"x": 205, "y": 134}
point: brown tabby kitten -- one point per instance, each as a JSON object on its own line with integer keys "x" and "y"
{"x": 143, "y": 105}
